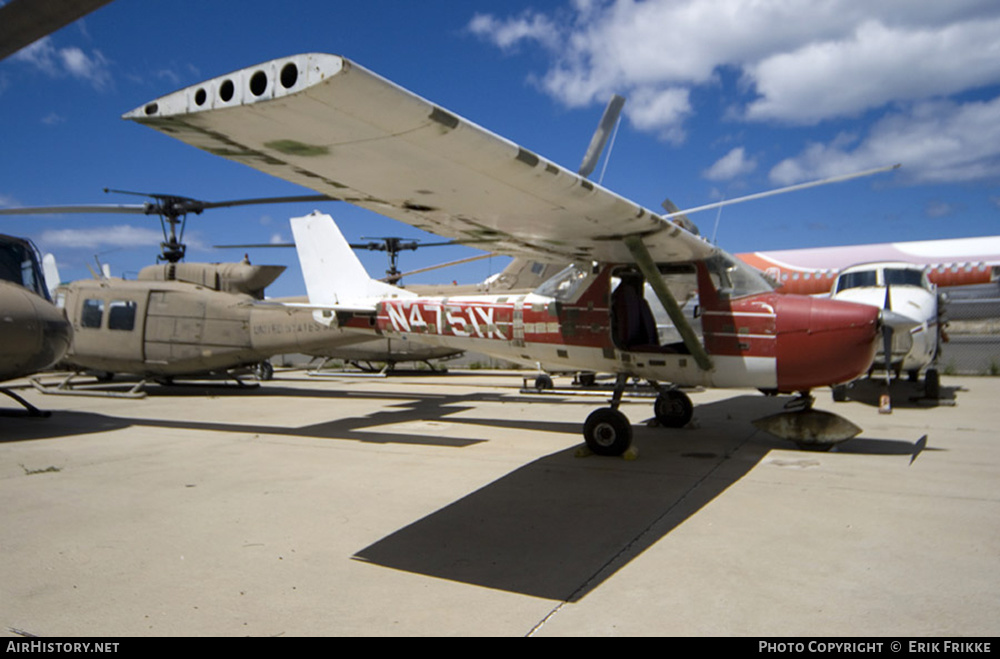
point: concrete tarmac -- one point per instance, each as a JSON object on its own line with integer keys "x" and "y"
{"x": 455, "y": 505}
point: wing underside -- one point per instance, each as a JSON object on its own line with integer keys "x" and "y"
{"x": 330, "y": 125}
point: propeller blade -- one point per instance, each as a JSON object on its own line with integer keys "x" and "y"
{"x": 890, "y": 320}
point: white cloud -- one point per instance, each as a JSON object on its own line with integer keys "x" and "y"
{"x": 6, "y": 201}
{"x": 936, "y": 142}
{"x": 797, "y": 63}
{"x": 733, "y": 164}
{"x": 938, "y": 208}
{"x": 99, "y": 237}
{"x": 114, "y": 237}
{"x": 529, "y": 26}
{"x": 661, "y": 111}
{"x": 93, "y": 68}
{"x": 875, "y": 66}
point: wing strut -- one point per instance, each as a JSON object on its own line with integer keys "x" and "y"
{"x": 652, "y": 274}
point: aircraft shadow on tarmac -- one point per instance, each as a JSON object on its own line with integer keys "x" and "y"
{"x": 398, "y": 408}
{"x": 903, "y": 393}
{"x": 555, "y": 528}
{"x": 558, "y": 527}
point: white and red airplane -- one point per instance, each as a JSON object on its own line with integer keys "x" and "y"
{"x": 949, "y": 262}
{"x": 906, "y": 277}
{"x": 329, "y": 124}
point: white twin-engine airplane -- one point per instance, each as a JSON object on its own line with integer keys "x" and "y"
{"x": 329, "y": 124}
{"x": 903, "y": 288}
{"x": 948, "y": 263}
{"x": 908, "y": 278}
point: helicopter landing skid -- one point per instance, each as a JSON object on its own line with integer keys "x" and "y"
{"x": 30, "y": 410}
{"x": 98, "y": 389}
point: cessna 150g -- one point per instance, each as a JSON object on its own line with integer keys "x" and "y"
{"x": 34, "y": 334}
{"x": 329, "y": 124}
{"x": 384, "y": 354}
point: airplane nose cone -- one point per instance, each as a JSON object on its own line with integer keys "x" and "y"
{"x": 34, "y": 334}
{"x": 823, "y": 342}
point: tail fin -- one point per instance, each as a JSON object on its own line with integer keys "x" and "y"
{"x": 333, "y": 273}
{"x": 51, "y": 271}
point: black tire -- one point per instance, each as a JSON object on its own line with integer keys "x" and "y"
{"x": 543, "y": 381}
{"x": 839, "y": 393}
{"x": 673, "y": 409}
{"x": 932, "y": 384}
{"x": 607, "y": 432}
{"x": 264, "y": 371}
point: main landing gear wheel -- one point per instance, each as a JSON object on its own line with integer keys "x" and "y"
{"x": 607, "y": 432}
{"x": 263, "y": 370}
{"x": 673, "y": 409}
{"x": 543, "y": 382}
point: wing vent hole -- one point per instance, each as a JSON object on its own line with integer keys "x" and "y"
{"x": 258, "y": 83}
{"x": 289, "y": 75}
{"x": 226, "y": 90}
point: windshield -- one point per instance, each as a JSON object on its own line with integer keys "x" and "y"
{"x": 19, "y": 264}
{"x": 734, "y": 278}
{"x": 857, "y": 279}
{"x": 903, "y": 277}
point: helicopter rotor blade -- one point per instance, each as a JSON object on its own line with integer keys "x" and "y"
{"x": 429, "y": 268}
{"x": 778, "y": 191}
{"x": 134, "y": 209}
{"x": 265, "y": 200}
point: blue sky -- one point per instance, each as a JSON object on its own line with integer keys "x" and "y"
{"x": 724, "y": 98}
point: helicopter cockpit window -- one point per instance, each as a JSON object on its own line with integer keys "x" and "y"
{"x": 92, "y": 313}
{"x": 566, "y": 285}
{"x": 121, "y": 315}
{"x": 19, "y": 264}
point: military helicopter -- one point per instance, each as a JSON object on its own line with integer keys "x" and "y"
{"x": 34, "y": 334}
{"x": 177, "y": 319}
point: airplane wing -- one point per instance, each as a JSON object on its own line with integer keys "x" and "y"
{"x": 328, "y": 124}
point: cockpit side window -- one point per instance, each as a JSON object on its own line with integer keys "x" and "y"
{"x": 567, "y": 285}
{"x": 92, "y": 313}
{"x": 121, "y": 315}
